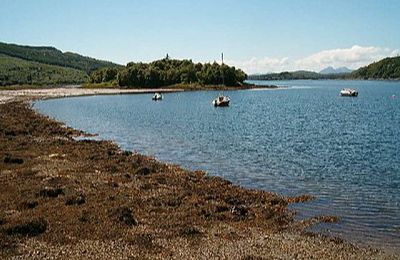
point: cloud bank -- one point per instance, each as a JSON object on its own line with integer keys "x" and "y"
{"x": 353, "y": 58}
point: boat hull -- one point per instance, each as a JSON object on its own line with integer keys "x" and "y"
{"x": 348, "y": 93}
{"x": 221, "y": 104}
{"x": 157, "y": 97}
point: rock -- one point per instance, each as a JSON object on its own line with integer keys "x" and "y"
{"x": 190, "y": 231}
{"x": 13, "y": 160}
{"x": 127, "y": 153}
{"x": 240, "y": 211}
{"x": 51, "y": 192}
{"x": 10, "y": 133}
{"x": 30, "y": 204}
{"x": 302, "y": 198}
{"x": 75, "y": 200}
{"x": 125, "y": 215}
{"x": 143, "y": 171}
{"x": 29, "y": 228}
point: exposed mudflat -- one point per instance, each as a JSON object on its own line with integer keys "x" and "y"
{"x": 64, "y": 198}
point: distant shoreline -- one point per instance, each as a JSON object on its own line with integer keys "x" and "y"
{"x": 46, "y": 93}
{"x": 24, "y": 93}
{"x": 277, "y": 80}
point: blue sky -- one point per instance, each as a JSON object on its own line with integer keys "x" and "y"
{"x": 256, "y": 35}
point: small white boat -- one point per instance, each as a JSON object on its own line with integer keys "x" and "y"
{"x": 157, "y": 96}
{"x": 348, "y": 92}
{"x": 221, "y": 101}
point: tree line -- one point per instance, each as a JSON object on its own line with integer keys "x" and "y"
{"x": 168, "y": 71}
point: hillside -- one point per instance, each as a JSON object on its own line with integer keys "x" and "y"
{"x": 388, "y": 68}
{"x": 53, "y": 56}
{"x": 18, "y": 71}
{"x": 297, "y": 75}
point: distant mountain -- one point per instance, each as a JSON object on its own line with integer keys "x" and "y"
{"x": 331, "y": 70}
{"x": 53, "y": 56}
{"x": 388, "y": 68}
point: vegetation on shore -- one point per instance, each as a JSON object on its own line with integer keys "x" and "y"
{"x": 166, "y": 72}
{"x": 388, "y": 68}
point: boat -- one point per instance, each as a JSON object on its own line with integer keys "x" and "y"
{"x": 157, "y": 96}
{"x": 221, "y": 101}
{"x": 348, "y": 92}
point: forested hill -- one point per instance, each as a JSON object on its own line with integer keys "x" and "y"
{"x": 16, "y": 71}
{"x": 297, "y": 75}
{"x": 53, "y": 56}
{"x": 388, "y": 68}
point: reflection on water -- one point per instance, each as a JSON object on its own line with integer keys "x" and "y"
{"x": 303, "y": 139}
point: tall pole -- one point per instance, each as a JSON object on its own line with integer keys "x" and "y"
{"x": 222, "y": 69}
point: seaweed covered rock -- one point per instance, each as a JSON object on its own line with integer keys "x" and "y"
{"x": 28, "y": 228}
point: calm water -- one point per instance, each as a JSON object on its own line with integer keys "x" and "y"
{"x": 303, "y": 139}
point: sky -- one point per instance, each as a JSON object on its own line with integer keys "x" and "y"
{"x": 257, "y": 36}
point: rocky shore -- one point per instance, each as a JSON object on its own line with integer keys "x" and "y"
{"x": 63, "y": 198}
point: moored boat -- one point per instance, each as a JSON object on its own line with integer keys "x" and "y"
{"x": 221, "y": 101}
{"x": 157, "y": 96}
{"x": 348, "y": 92}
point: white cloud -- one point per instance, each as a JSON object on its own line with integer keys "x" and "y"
{"x": 256, "y": 65}
{"x": 352, "y": 58}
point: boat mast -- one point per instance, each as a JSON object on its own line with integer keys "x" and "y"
{"x": 222, "y": 70}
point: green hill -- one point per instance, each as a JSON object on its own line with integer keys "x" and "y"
{"x": 388, "y": 68}
{"x": 15, "y": 71}
{"x": 53, "y": 56}
{"x": 296, "y": 75}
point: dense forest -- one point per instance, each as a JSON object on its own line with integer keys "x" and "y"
{"x": 388, "y": 68}
{"x": 52, "y": 56}
{"x": 297, "y": 75}
{"x": 15, "y": 71}
{"x": 169, "y": 72}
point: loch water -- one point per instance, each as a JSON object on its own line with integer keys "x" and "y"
{"x": 300, "y": 139}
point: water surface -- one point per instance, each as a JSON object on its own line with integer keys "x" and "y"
{"x": 304, "y": 139}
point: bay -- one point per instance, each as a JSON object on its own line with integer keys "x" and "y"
{"x": 300, "y": 139}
